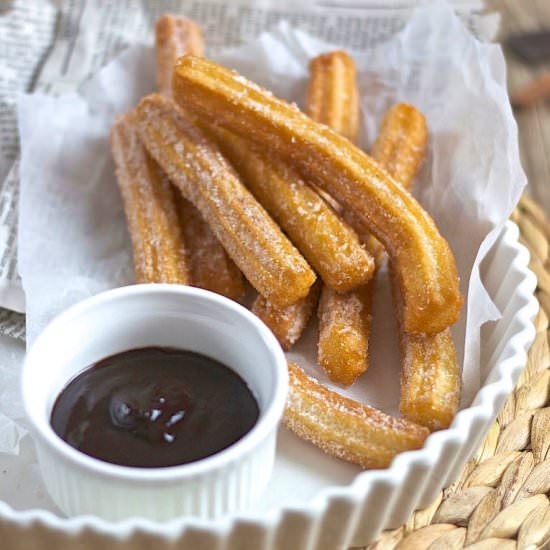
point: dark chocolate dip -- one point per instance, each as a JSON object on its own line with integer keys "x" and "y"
{"x": 154, "y": 407}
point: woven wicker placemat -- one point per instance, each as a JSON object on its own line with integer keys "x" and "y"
{"x": 500, "y": 500}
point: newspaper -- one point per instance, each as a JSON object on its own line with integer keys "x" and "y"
{"x": 54, "y": 47}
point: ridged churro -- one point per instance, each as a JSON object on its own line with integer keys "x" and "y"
{"x": 344, "y": 319}
{"x": 252, "y": 239}
{"x": 401, "y": 143}
{"x": 430, "y": 374}
{"x": 175, "y": 36}
{"x": 209, "y": 265}
{"x": 344, "y": 428}
{"x": 422, "y": 258}
{"x": 332, "y": 94}
{"x": 329, "y": 245}
{"x": 148, "y": 199}
{"x": 287, "y": 323}
{"x": 333, "y": 99}
{"x": 344, "y": 330}
{"x": 430, "y": 379}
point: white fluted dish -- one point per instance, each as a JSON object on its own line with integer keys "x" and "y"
{"x": 352, "y": 514}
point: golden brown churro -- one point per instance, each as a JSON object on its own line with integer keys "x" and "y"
{"x": 329, "y": 245}
{"x": 423, "y": 261}
{"x": 287, "y": 323}
{"x": 333, "y": 99}
{"x": 344, "y": 328}
{"x": 344, "y": 319}
{"x": 195, "y": 165}
{"x": 430, "y": 379}
{"x": 174, "y": 36}
{"x": 401, "y": 143}
{"x": 209, "y": 265}
{"x": 332, "y": 94}
{"x": 430, "y": 375}
{"x": 148, "y": 199}
{"x": 344, "y": 428}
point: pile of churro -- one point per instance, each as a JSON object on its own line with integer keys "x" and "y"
{"x": 223, "y": 182}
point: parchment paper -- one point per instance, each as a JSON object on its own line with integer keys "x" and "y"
{"x": 73, "y": 240}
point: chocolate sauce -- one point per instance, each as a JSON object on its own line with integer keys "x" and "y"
{"x": 154, "y": 407}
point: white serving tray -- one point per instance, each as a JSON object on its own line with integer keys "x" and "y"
{"x": 313, "y": 502}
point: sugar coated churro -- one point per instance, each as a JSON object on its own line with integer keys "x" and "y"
{"x": 209, "y": 265}
{"x": 175, "y": 36}
{"x": 344, "y": 327}
{"x": 401, "y": 143}
{"x": 423, "y": 261}
{"x": 344, "y": 319}
{"x": 195, "y": 165}
{"x": 430, "y": 374}
{"x": 344, "y": 428}
{"x": 287, "y": 323}
{"x": 332, "y": 95}
{"x": 430, "y": 379}
{"x": 148, "y": 199}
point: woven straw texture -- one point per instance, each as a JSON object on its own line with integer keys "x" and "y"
{"x": 500, "y": 501}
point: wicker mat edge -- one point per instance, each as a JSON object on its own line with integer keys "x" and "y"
{"x": 500, "y": 500}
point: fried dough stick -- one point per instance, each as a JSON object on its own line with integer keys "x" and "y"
{"x": 209, "y": 265}
{"x": 148, "y": 200}
{"x": 430, "y": 374}
{"x": 344, "y": 318}
{"x": 344, "y": 428}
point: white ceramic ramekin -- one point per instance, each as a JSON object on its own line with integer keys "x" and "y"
{"x": 156, "y": 315}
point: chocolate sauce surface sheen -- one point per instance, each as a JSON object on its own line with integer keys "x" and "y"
{"x": 154, "y": 407}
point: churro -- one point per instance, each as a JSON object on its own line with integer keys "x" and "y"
{"x": 344, "y": 319}
{"x": 344, "y": 428}
{"x": 148, "y": 199}
{"x": 252, "y": 239}
{"x": 332, "y": 94}
{"x": 430, "y": 379}
{"x": 175, "y": 36}
{"x": 401, "y": 143}
{"x": 430, "y": 374}
{"x": 423, "y": 261}
{"x": 333, "y": 99}
{"x": 287, "y": 323}
{"x": 329, "y": 245}
{"x": 344, "y": 329}
{"x": 209, "y": 265}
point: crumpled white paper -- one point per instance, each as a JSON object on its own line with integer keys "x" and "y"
{"x": 73, "y": 240}
{"x": 12, "y": 415}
